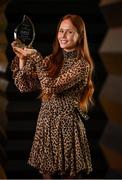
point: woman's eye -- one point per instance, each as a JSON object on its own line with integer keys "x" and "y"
{"x": 61, "y": 31}
{"x": 70, "y": 32}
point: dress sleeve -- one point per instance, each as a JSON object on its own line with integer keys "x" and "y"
{"x": 26, "y": 79}
{"x": 78, "y": 73}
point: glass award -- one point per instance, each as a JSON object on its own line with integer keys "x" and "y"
{"x": 25, "y": 32}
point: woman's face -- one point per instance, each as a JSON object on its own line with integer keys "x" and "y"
{"x": 67, "y": 35}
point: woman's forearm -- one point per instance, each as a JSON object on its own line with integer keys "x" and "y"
{"x": 21, "y": 63}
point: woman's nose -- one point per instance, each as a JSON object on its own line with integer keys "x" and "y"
{"x": 64, "y": 34}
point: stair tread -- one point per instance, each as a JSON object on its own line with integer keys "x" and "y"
{"x": 23, "y": 106}
{"x": 22, "y": 144}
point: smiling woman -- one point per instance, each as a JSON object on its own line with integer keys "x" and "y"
{"x": 67, "y": 35}
{"x": 64, "y": 78}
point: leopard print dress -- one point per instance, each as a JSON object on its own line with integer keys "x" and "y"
{"x": 60, "y": 143}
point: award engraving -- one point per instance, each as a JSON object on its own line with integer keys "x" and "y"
{"x": 25, "y": 31}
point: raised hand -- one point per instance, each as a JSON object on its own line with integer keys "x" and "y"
{"x": 21, "y": 50}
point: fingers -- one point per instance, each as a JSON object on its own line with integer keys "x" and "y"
{"x": 30, "y": 51}
{"x": 23, "y": 53}
{"x": 18, "y": 50}
{"x": 21, "y": 50}
{"x": 18, "y": 53}
{"x": 17, "y": 43}
{"x": 13, "y": 44}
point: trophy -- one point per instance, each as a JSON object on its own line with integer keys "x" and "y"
{"x": 24, "y": 33}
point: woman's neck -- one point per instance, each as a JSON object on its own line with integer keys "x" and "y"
{"x": 69, "y": 54}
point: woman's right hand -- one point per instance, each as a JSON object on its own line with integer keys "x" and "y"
{"x": 21, "y": 50}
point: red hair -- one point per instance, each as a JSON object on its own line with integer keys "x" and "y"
{"x": 56, "y": 61}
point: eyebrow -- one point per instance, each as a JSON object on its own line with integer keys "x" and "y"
{"x": 67, "y": 29}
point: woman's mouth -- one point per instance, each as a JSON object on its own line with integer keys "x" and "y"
{"x": 63, "y": 41}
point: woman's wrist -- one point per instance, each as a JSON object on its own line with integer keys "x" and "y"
{"x": 22, "y": 62}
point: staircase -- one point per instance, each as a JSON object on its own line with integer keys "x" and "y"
{"x": 23, "y": 108}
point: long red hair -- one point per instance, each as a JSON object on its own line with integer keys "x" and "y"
{"x": 56, "y": 61}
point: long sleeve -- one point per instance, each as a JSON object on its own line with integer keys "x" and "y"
{"x": 78, "y": 73}
{"x": 26, "y": 79}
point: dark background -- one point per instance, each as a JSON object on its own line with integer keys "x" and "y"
{"x": 22, "y": 110}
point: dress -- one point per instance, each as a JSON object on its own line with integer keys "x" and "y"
{"x": 60, "y": 143}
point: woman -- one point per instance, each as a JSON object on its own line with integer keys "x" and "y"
{"x": 65, "y": 81}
